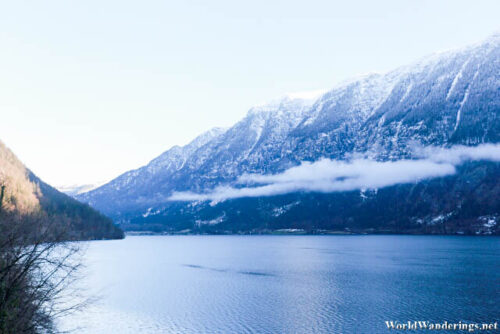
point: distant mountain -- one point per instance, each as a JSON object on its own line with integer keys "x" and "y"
{"x": 441, "y": 101}
{"x": 23, "y": 193}
{"x": 74, "y": 190}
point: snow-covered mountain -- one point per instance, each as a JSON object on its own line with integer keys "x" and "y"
{"x": 450, "y": 98}
{"x": 76, "y": 189}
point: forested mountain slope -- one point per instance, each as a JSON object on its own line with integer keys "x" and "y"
{"x": 444, "y": 101}
{"x": 24, "y": 194}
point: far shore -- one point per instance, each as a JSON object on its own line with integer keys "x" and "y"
{"x": 300, "y": 232}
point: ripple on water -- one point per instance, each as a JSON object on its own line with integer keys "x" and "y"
{"x": 281, "y": 284}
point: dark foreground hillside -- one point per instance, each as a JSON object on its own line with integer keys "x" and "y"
{"x": 23, "y": 194}
{"x": 38, "y": 266}
{"x": 83, "y": 221}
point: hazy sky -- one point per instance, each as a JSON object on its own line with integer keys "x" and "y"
{"x": 90, "y": 89}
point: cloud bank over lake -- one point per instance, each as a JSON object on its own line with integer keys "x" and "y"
{"x": 328, "y": 175}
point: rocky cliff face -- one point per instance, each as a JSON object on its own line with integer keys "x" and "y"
{"x": 446, "y": 99}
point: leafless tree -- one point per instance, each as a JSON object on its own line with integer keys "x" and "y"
{"x": 38, "y": 269}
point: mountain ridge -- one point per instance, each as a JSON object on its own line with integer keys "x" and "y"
{"x": 446, "y": 99}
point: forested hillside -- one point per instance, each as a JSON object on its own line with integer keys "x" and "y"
{"x": 23, "y": 194}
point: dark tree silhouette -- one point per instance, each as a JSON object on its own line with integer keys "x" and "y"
{"x": 38, "y": 269}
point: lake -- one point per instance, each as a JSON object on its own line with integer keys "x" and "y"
{"x": 287, "y": 284}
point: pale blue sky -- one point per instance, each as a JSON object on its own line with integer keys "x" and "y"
{"x": 90, "y": 89}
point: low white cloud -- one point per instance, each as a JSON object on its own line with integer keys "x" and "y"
{"x": 334, "y": 176}
{"x": 459, "y": 154}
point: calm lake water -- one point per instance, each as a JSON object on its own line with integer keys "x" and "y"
{"x": 287, "y": 284}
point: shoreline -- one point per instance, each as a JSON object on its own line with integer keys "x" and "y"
{"x": 299, "y": 232}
